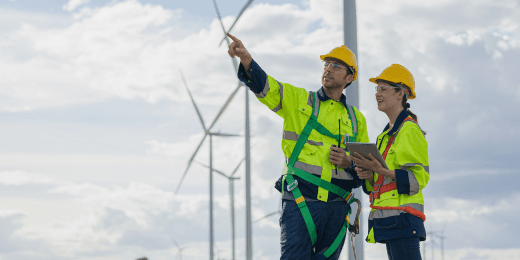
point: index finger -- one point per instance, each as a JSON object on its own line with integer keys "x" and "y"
{"x": 337, "y": 149}
{"x": 233, "y": 37}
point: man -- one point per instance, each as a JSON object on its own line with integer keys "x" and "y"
{"x": 318, "y": 176}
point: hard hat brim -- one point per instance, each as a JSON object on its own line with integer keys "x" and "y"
{"x": 373, "y": 80}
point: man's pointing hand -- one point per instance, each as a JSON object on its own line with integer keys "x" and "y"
{"x": 236, "y": 48}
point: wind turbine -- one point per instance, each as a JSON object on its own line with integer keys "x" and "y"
{"x": 206, "y": 130}
{"x": 231, "y": 198}
{"x": 179, "y": 249}
{"x": 432, "y": 243}
{"x": 279, "y": 211}
{"x": 210, "y": 134}
{"x": 238, "y": 17}
{"x": 249, "y": 231}
{"x": 441, "y": 237}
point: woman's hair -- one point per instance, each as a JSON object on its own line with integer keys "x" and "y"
{"x": 404, "y": 102}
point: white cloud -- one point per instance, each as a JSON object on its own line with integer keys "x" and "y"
{"x": 73, "y": 4}
{"x": 18, "y": 178}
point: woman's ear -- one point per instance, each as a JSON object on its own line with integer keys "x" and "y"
{"x": 402, "y": 94}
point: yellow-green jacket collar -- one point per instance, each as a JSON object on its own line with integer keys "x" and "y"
{"x": 323, "y": 97}
{"x": 402, "y": 116}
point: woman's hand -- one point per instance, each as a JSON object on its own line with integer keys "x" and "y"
{"x": 339, "y": 157}
{"x": 370, "y": 163}
{"x": 364, "y": 174}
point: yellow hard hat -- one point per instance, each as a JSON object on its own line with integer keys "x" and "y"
{"x": 397, "y": 74}
{"x": 344, "y": 54}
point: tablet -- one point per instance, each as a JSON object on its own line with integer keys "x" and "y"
{"x": 364, "y": 149}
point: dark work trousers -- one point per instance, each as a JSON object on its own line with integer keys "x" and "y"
{"x": 328, "y": 217}
{"x": 403, "y": 249}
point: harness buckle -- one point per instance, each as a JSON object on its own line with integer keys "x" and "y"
{"x": 292, "y": 186}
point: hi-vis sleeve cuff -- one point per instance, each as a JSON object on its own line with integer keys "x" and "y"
{"x": 367, "y": 188}
{"x": 258, "y": 79}
{"x": 406, "y": 182}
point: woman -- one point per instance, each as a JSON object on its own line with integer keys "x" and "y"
{"x": 397, "y": 203}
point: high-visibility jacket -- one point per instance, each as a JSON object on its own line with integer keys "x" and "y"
{"x": 294, "y": 106}
{"x": 407, "y": 155}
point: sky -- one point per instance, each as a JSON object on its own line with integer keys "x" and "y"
{"x": 96, "y": 125}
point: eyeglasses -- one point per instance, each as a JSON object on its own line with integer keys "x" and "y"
{"x": 335, "y": 66}
{"x": 383, "y": 88}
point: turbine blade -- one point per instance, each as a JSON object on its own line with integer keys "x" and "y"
{"x": 225, "y": 106}
{"x": 235, "y": 64}
{"x": 243, "y": 159}
{"x": 175, "y": 242}
{"x": 193, "y": 101}
{"x": 215, "y": 170}
{"x": 266, "y": 216}
{"x": 225, "y": 135}
{"x": 238, "y": 17}
{"x": 240, "y": 163}
{"x": 189, "y": 164}
{"x": 219, "y": 17}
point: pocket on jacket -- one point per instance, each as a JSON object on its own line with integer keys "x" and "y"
{"x": 387, "y": 223}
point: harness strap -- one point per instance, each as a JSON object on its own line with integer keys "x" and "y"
{"x": 292, "y": 184}
{"x": 304, "y": 209}
{"x": 322, "y": 183}
{"x": 379, "y": 188}
{"x": 335, "y": 244}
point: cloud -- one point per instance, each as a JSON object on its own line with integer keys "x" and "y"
{"x": 19, "y": 178}
{"x": 73, "y": 4}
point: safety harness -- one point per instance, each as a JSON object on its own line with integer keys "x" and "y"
{"x": 379, "y": 188}
{"x": 292, "y": 184}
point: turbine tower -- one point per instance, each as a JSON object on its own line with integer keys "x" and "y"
{"x": 249, "y": 231}
{"x": 352, "y": 93}
{"x": 231, "y": 200}
{"x": 207, "y": 132}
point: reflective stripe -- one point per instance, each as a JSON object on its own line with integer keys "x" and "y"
{"x": 354, "y": 122}
{"x": 264, "y": 91}
{"x": 385, "y": 213}
{"x": 288, "y": 135}
{"x": 316, "y": 106}
{"x": 416, "y": 206}
{"x": 309, "y": 100}
{"x": 316, "y": 170}
{"x": 279, "y": 106}
{"x": 342, "y": 175}
{"x": 387, "y": 180}
{"x": 414, "y": 184}
{"x": 426, "y": 168}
